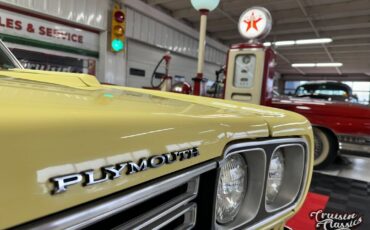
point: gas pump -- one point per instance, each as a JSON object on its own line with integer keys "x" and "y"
{"x": 250, "y": 66}
{"x": 166, "y": 80}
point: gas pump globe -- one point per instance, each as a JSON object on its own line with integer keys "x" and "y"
{"x": 250, "y": 64}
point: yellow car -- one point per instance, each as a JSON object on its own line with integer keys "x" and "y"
{"x": 78, "y": 154}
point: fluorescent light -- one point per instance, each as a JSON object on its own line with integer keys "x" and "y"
{"x": 305, "y": 65}
{"x": 333, "y": 64}
{"x": 314, "y": 41}
{"x": 296, "y": 65}
{"x": 284, "y": 43}
{"x": 299, "y": 42}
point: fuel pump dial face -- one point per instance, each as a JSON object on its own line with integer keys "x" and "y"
{"x": 245, "y": 66}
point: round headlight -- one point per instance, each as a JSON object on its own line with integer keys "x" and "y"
{"x": 275, "y": 176}
{"x": 231, "y": 188}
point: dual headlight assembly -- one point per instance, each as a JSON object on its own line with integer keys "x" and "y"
{"x": 240, "y": 192}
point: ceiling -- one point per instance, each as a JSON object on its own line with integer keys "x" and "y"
{"x": 347, "y": 22}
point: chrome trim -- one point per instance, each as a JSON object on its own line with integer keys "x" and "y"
{"x": 257, "y": 189}
{"x": 340, "y": 136}
{"x": 354, "y": 143}
{"x": 97, "y": 210}
{"x": 354, "y": 147}
{"x": 301, "y": 179}
{"x": 11, "y": 56}
{"x": 270, "y": 219}
{"x": 154, "y": 215}
{"x": 190, "y": 212}
{"x": 266, "y": 142}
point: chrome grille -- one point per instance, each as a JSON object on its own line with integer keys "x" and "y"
{"x": 168, "y": 200}
{"x": 163, "y": 215}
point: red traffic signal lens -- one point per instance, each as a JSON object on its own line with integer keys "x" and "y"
{"x": 119, "y": 16}
{"x": 118, "y": 30}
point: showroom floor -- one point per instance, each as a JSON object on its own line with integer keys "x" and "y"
{"x": 342, "y": 188}
{"x": 352, "y": 167}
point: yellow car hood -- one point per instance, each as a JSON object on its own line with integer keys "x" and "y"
{"x": 51, "y": 128}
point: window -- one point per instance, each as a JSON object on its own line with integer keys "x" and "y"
{"x": 361, "y": 89}
{"x": 290, "y": 86}
{"x": 137, "y": 72}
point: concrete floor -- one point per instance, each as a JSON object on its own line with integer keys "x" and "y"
{"x": 352, "y": 167}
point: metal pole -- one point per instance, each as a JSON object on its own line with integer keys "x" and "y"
{"x": 201, "y": 52}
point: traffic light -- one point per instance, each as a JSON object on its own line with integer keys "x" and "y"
{"x": 118, "y": 29}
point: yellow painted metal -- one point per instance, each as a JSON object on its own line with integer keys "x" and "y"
{"x": 56, "y": 124}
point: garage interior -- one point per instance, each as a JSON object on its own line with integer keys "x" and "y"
{"x": 157, "y": 26}
{"x": 345, "y": 22}
{"x": 347, "y": 181}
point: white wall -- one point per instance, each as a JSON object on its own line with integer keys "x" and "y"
{"x": 145, "y": 57}
{"x": 92, "y": 13}
{"x": 151, "y": 31}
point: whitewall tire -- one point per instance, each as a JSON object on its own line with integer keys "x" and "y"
{"x": 326, "y": 148}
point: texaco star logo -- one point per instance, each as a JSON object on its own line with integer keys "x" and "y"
{"x": 255, "y": 23}
{"x": 252, "y": 22}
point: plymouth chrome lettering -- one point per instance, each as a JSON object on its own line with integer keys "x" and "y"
{"x": 112, "y": 172}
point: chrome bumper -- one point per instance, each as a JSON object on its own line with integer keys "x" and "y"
{"x": 354, "y": 143}
{"x": 354, "y": 147}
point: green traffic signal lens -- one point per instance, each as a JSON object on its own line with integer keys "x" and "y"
{"x": 117, "y": 45}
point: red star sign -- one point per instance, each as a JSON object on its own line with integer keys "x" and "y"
{"x": 252, "y": 22}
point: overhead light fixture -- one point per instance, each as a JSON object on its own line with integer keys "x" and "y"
{"x": 284, "y": 43}
{"x": 333, "y": 64}
{"x": 300, "y": 42}
{"x": 313, "y": 41}
{"x": 208, "y": 5}
{"x": 305, "y": 65}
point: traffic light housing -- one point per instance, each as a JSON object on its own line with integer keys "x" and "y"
{"x": 118, "y": 29}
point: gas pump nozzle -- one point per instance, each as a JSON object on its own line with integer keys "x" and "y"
{"x": 166, "y": 84}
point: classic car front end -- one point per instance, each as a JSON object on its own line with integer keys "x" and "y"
{"x": 77, "y": 154}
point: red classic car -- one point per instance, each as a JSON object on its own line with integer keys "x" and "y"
{"x": 337, "y": 125}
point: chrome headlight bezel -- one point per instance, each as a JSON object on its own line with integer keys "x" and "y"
{"x": 253, "y": 197}
{"x": 255, "y": 213}
{"x": 294, "y": 162}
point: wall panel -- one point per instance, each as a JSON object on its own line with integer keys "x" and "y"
{"x": 168, "y": 37}
{"x": 145, "y": 57}
{"x": 93, "y": 13}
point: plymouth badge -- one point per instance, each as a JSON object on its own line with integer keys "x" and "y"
{"x": 112, "y": 172}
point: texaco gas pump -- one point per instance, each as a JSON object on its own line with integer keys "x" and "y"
{"x": 250, "y": 66}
